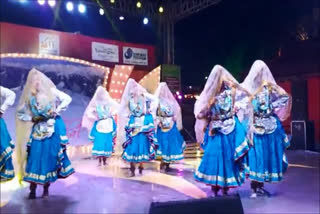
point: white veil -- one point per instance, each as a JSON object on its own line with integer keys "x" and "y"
{"x": 38, "y": 83}
{"x": 163, "y": 92}
{"x": 211, "y": 89}
{"x": 101, "y": 96}
{"x": 260, "y": 74}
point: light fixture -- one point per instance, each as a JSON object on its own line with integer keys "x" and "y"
{"x": 41, "y": 2}
{"x": 112, "y": 1}
{"x": 69, "y": 6}
{"x": 101, "y": 11}
{"x": 145, "y": 21}
{"x": 121, "y": 18}
{"x": 139, "y": 4}
{"x": 52, "y": 3}
{"x": 206, "y": 77}
{"x": 160, "y": 9}
{"x": 81, "y": 8}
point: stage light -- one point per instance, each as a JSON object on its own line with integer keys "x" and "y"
{"x": 179, "y": 97}
{"x": 81, "y": 8}
{"x": 22, "y": 1}
{"x": 139, "y": 4}
{"x": 206, "y": 77}
{"x": 121, "y": 18}
{"x": 145, "y": 21}
{"x": 69, "y": 6}
{"x": 101, "y": 11}
{"x": 52, "y": 3}
{"x": 112, "y": 1}
{"x": 41, "y": 2}
{"x": 160, "y": 9}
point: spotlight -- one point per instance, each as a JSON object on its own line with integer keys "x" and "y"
{"x": 160, "y": 9}
{"x": 121, "y": 18}
{"x": 52, "y": 3}
{"x": 69, "y": 6}
{"x": 101, "y": 11}
{"x": 206, "y": 77}
{"x": 139, "y": 4}
{"x": 145, "y": 21}
{"x": 112, "y": 1}
{"x": 81, "y": 8}
{"x": 41, "y": 2}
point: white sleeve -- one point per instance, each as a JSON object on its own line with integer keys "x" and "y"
{"x": 9, "y": 98}
{"x": 63, "y": 98}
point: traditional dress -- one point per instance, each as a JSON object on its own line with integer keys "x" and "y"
{"x": 266, "y": 159}
{"x": 140, "y": 142}
{"x": 169, "y": 119}
{"x": 47, "y": 158}
{"x": 6, "y": 143}
{"x": 99, "y": 117}
{"x": 225, "y": 142}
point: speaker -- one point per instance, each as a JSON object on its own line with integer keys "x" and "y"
{"x": 299, "y": 92}
{"x": 219, "y": 205}
{"x": 299, "y": 135}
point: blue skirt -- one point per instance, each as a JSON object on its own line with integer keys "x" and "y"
{"x": 266, "y": 159}
{"x": 138, "y": 150}
{"x": 171, "y": 144}
{"x": 102, "y": 142}
{"x": 47, "y": 159}
{"x": 6, "y": 150}
{"x": 221, "y": 163}
{"x": 61, "y": 130}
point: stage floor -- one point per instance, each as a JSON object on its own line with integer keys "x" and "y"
{"x": 94, "y": 189}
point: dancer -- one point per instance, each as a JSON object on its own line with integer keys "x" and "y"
{"x": 171, "y": 143}
{"x": 225, "y": 141}
{"x": 38, "y": 113}
{"x": 99, "y": 117}
{"x": 140, "y": 141}
{"x": 267, "y": 160}
{"x": 6, "y": 144}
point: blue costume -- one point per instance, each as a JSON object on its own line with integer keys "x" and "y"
{"x": 140, "y": 144}
{"x": 267, "y": 160}
{"x": 103, "y": 133}
{"x": 47, "y": 158}
{"x": 224, "y": 145}
{"x": 6, "y": 143}
{"x": 171, "y": 143}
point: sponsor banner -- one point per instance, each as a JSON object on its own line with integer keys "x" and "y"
{"x": 171, "y": 75}
{"x": 49, "y": 44}
{"x": 135, "y": 56}
{"x": 105, "y": 52}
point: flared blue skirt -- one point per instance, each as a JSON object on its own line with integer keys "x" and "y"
{"x": 138, "y": 150}
{"x": 221, "y": 163}
{"x": 102, "y": 144}
{"x": 47, "y": 159}
{"x": 266, "y": 159}
{"x": 6, "y": 150}
{"x": 171, "y": 144}
{"x": 61, "y": 130}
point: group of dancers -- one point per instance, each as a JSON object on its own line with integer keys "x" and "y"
{"x": 238, "y": 126}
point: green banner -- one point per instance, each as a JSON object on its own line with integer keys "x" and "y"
{"x": 171, "y": 75}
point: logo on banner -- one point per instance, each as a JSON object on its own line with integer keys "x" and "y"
{"x": 48, "y": 44}
{"x": 135, "y": 56}
{"x": 105, "y": 52}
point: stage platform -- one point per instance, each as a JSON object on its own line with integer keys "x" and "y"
{"x": 107, "y": 189}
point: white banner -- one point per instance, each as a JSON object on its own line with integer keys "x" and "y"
{"x": 135, "y": 56}
{"x": 105, "y": 52}
{"x": 49, "y": 44}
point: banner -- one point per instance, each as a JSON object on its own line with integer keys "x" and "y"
{"x": 135, "y": 56}
{"x": 105, "y": 52}
{"x": 171, "y": 75}
{"x": 49, "y": 44}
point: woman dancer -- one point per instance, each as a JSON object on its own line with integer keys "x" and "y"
{"x": 225, "y": 141}
{"x": 6, "y": 144}
{"x": 38, "y": 113}
{"x": 140, "y": 141}
{"x": 99, "y": 117}
{"x": 171, "y": 143}
{"x": 267, "y": 160}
